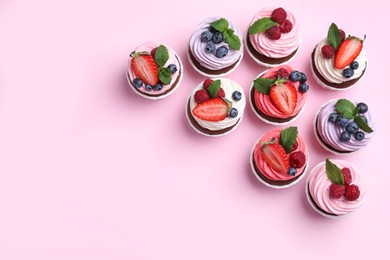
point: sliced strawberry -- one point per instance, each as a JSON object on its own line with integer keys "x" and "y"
{"x": 213, "y": 110}
{"x": 275, "y": 156}
{"x": 347, "y": 52}
{"x": 145, "y": 67}
{"x": 284, "y": 96}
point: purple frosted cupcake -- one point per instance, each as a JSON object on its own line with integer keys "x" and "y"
{"x": 215, "y": 47}
{"x": 342, "y": 126}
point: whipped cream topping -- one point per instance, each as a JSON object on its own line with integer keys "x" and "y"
{"x": 264, "y": 103}
{"x": 148, "y": 47}
{"x": 209, "y": 60}
{"x": 263, "y": 166}
{"x": 319, "y": 184}
{"x": 283, "y": 47}
{"x": 327, "y": 69}
{"x": 229, "y": 86}
{"x": 330, "y": 132}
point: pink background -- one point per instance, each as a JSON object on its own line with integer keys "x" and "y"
{"x": 90, "y": 170}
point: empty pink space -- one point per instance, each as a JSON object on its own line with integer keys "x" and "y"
{"x": 90, "y": 170}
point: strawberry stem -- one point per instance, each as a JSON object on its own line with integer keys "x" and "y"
{"x": 271, "y": 141}
{"x": 136, "y": 54}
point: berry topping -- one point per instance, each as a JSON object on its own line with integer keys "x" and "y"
{"x": 221, "y": 52}
{"x": 359, "y": 135}
{"x": 145, "y": 67}
{"x": 279, "y": 15}
{"x": 275, "y": 156}
{"x": 148, "y": 87}
{"x": 286, "y": 26}
{"x": 207, "y": 83}
{"x": 221, "y": 93}
{"x": 295, "y": 76}
{"x": 342, "y": 121}
{"x": 363, "y": 108}
{"x": 354, "y": 65}
{"x": 295, "y": 146}
{"x": 284, "y": 97}
{"x": 212, "y": 29}
{"x": 274, "y": 33}
{"x": 282, "y": 73}
{"x": 297, "y": 159}
{"x": 352, "y": 192}
{"x": 342, "y": 34}
{"x": 172, "y": 68}
{"x": 347, "y": 52}
{"x": 336, "y": 191}
{"x": 303, "y": 77}
{"x": 236, "y": 95}
{"x": 303, "y": 87}
{"x": 292, "y": 171}
{"x": 347, "y": 175}
{"x": 364, "y": 118}
{"x": 210, "y": 47}
{"x": 327, "y": 51}
{"x": 333, "y": 117}
{"x": 348, "y": 72}
{"x": 213, "y": 110}
{"x": 158, "y": 87}
{"x": 233, "y": 113}
{"x": 352, "y": 127}
{"x": 345, "y": 136}
{"x": 217, "y": 37}
{"x": 206, "y": 36}
{"x": 137, "y": 83}
{"x": 201, "y": 96}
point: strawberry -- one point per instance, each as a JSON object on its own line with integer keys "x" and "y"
{"x": 284, "y": 96}
{"x": 213, "y": 110}
{"x": 145, "y": 67}
{"x": 275, "y": 156}
{"x": 347, "y": 52}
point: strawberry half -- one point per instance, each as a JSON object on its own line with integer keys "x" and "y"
{"x": 347, "y": 52}
{"x": 213, "y": 110}
{"x": 275, "y": 156}
{"x": 284, "y": 96}
{"x": 145, "y": 67}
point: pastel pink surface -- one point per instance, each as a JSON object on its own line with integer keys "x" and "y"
{"x": 90, "y": 170}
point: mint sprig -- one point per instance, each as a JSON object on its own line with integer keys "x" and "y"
{"x": 263, "y": 85}
{"x": 222, "y": 25}
{"x": 261, "y": 25}
{"x": 334, "y": 173}
{"x": 348, "y": 110}
{"x": 214, "y": 88}
{"x": 288, "y": 137}
{"x": 164, "y": 75}
{"x": 161, "y": 56}
{"x": 363, "y": 124}
{"x": 334, "y": 36}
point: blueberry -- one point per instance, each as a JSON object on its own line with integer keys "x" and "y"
{"x": 137, "y": 83}
{"x": 359, "y": 135}
{"x": 236, "y": 95}
{"x": 348, "y": 72}
{"x": 292, "y": 171}
{"x": 354, "y": 65}
{"x": 303, "y": 77}
{"x": 206, "y": 36}
{"x": 158, "y": 87}
{"x": 364, "y": 118}
{"x": 212, "y": 29}
{"x": 148, "y": 87}
{"x": 342, "y": 121}
{"x": 363, "y": 108}
{"x": 217, "y": 38}
{"x": 333, "y": 117}
{"x": 233, "y": 112}
{"x": 210, "y": 47}
{"x": 352, "y": 127}
{"x": 345, "y": 136}
{"x": 303, "y": 87}
{"x": 295, "y": 76}
{"x": 172, "y": 68}
{"x": 221, "y": 52}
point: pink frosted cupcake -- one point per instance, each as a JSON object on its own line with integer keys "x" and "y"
{"x": 335, "y": 188}
{"x": 279, "y": 159}
{"x": 154, "y": 70}
{"x": 273, "y": 37}
{"x": 278, "y": 95}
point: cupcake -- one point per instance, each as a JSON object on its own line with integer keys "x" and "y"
{"x": 273, "y": 37}
{"x": 342, "y": 126}
{"x": 338, "y": 62}
{"x": 280, "y": 158}
{"x": 278, "y": 95}
{"x": 335, "y": 188}
{"x": 215, "y": 107}
{"x": 215, "y": 47}
{"x": 154, "y": 70}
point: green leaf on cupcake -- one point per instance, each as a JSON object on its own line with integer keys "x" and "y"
{"x": 334, "y": 173}
{"x": 161, "y": 56}
{"x": 334, "y": 37}
{"x": 222, "y": 25}
{"x": 288, "y": 137}
{"x": 261, "y": 25}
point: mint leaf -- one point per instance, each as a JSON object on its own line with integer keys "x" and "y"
{"x": 232, "y": 40}
{"x": 164, "y": 75}
{"x": 214, "y": 88}
{"x": 334, "y": 173}
{"x": 363, "y": 124}
{"x": 261, "y": 25}
{"x": 161, "y": 56}
{"x": 334, "y": 36}
{"x": 288, "y": 136}
{"x": 220, "y": 25}
{"x": 346, "y": 108}
{"x": 263, "y": 85}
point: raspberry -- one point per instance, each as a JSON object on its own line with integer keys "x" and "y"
{"x": 295, "y": 146}
{"x": 201, "y": 96}
{"x": 352, "y": 192}
{"x": 342, "y": 33}
{"x": 347, "y": 175}
{"x": 279, "y": 15}
{"x": 221, "y": 93}
{"x": 274, "y": 33}
{"x": 207, "y": 83}
{"x": 286, "y": 26}
{"x": 327, "y": 51}
{"x": 282, "y": 73}
{"x": 336, "y": 191}
{"x": 297, "y": 159}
